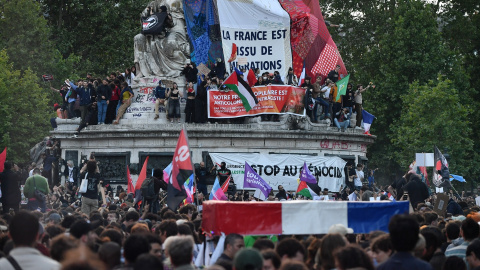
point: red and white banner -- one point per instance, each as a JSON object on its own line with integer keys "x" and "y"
{"x": 297, "y": 217}
{"x": 273, "y": 99}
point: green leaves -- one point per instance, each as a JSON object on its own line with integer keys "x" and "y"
{"x": 24, "y": 109}
{"x": 424, "y": 62}
{"x": 100, "y": 32}
{"x": 434, "y": 115}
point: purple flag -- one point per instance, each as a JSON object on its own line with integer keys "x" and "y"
{"x": 253, "y": 180}
{"x": 307, "y": 176}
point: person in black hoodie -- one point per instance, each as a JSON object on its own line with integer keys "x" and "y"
{"x": 200, "y": 115}
{"x": 416, "y": 189}
{"x": 218, "y": 70}
{"x": 90, "y": 119}
{"x": 9, "y": 180}
{"x": 190, "y": 72}
{"x": 309, "y": 104}
{"x": 104, "y": 93}
{"x": 282, "y": 194}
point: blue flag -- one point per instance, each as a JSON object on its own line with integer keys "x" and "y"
{"x": 457, "y": 177}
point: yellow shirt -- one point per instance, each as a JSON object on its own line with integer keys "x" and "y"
{"x": 126, "y": 95}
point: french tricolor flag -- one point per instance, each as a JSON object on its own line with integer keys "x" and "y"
{"x": 367, "y": 121}
{"x": 298, "y": 217}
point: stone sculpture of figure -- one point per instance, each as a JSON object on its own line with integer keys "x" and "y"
{"x": 163, "y": 55}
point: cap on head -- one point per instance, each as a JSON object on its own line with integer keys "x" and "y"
{"x": 340, "y": 229}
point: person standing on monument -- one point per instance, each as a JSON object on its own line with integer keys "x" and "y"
{"x": 174, "y": 96}
{"x": 190, "y": 106}
{"x": 114, "y": 100}
{"x": 358, "y": 103}
{"x": 333, "y": 74}
{"x": 104, "y": 93}
{"x": 83, "y": 90}
{"x": 126, "y": 96}
{"x": 190, "y": 72}
{"x": 201, "y": 102}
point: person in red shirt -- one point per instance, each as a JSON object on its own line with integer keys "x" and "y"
{"x": 113, "y": 104}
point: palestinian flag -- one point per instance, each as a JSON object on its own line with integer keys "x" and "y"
{"x": 242, "y": 89}
{"x": 308, "y": 190}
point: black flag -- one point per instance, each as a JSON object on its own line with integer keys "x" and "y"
{"x": 154, "y": 24}
{"x": 441, "y": 177}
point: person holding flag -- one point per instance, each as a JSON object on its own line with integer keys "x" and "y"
{"x": 223, "y": 173}
{"x": 339, "y": 91}
{"x": 307, "y": 186}
{"x": 237, "y": 84}
{"x": 318, "y": 96}
{"x": 182, "y": 169}
{"x": 358, "y": 102}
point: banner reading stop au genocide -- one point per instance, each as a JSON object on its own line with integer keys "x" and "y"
{"x": 273, "y": 99}
{"x": 278, "y": 169}
{"x": 258, "y": 32}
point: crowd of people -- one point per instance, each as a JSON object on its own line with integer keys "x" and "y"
{"x": 95, "y": 101}
{"x": 86, "y": 224}
{"x": 105, "y": 100}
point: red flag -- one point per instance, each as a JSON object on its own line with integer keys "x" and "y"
{"x": 234, "y": 53}
{"x": 130, "y": 188}
{"x": 182, "y": 169}
{"x": 225, "y": 185}
{"x": 3, "y": 157}
{"x": 142, "y": 176}
{"x": 251, "y": 78}
{"x": 423, "y": 170}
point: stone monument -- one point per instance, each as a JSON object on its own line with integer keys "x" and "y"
{"x": 161, "y": 58}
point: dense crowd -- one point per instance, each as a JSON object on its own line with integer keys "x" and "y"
{"x": 92, "y": 226}
{"x": 105, "y": 100}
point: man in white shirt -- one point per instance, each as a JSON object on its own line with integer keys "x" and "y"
{"x": 24, "y": 233}
{"x": 71, "y": 175}
{"x": 32, "y": 166}
{"x": 359, "y": 177}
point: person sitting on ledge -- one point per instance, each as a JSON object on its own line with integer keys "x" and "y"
{"x": 342, "y": 119}
{"x": 159, "y": 97}
{"x": 126, "y": 95}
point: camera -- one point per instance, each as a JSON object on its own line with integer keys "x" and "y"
{"x": 405, "y": 196}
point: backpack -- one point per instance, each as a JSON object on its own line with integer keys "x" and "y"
{"x": 148, "y": 189}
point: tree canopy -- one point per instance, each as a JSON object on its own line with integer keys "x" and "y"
{"x": 423, "y": 58}
{"x": 24, "y": 109}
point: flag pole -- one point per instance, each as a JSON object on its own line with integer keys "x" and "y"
{"x": 193, "y": 167}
